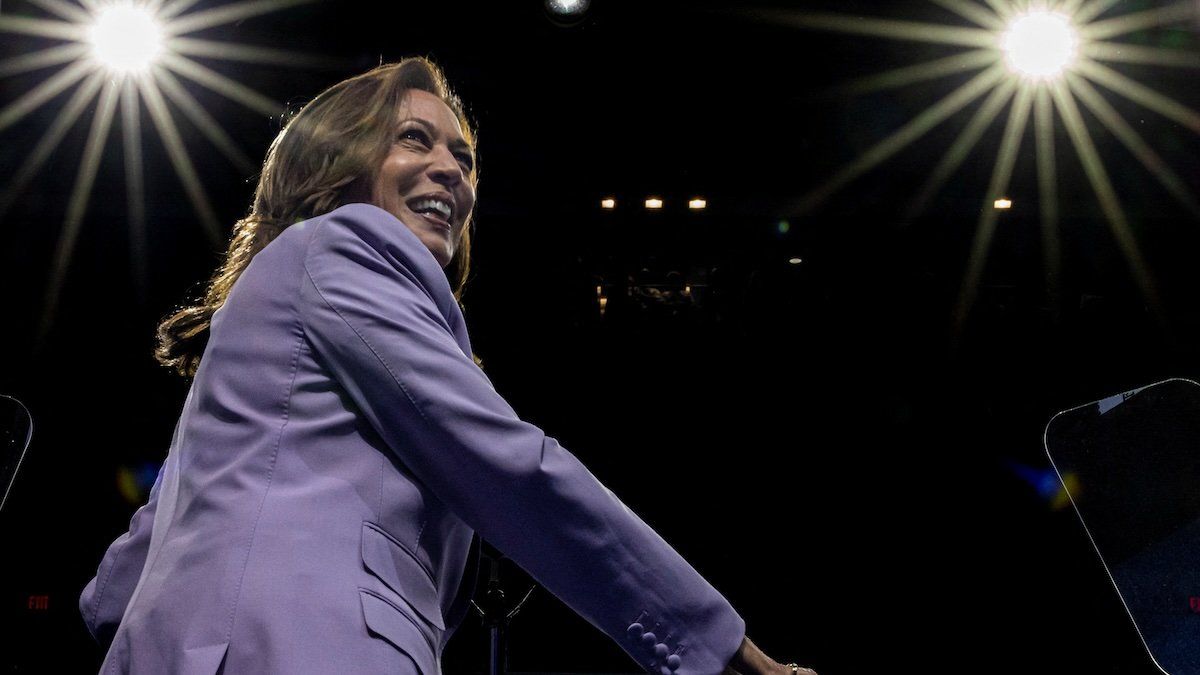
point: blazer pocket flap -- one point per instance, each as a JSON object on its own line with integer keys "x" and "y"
{"x": 392, "y": 624}
{"x": 398, "y": 568}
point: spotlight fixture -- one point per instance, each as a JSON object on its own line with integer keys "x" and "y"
{"x": 567, "y": 7}
{"x": 608, "y": 203}
{"x": 126, "y": 39}
{"x": 654, "y": 203}
{"x": 697, "y": 204}
{"x": 1002, "y": 204}
{"x": 1040, "y": 44}
{"x": 566, "y": 12}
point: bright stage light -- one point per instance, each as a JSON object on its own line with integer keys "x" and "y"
{"x": 1040, "y": 44}
{"x": 124, "y": 59}
{"x": 1063, "y": 62}
{"x": 125, "y": 39}
{"x": 567, "y": 7}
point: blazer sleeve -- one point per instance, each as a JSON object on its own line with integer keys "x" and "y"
{"x": 105, "y": 597}
{"x": 368, "y": 307}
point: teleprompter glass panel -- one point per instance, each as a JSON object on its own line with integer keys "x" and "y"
{"x": 1131, "y": 466}
{"x": 16, "y": 428}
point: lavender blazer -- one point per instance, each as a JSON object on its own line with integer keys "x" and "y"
{"x": 336, "y": 453}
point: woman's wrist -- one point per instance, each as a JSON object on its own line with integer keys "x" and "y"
{"x": 750, "y": 660}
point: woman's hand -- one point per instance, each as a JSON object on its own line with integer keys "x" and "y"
{"x": 750, "y": 660}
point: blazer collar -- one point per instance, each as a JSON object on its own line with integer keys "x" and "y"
{"x": 429, "y": 273}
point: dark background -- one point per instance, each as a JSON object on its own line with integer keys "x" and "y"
{"x": 856, "y": 477}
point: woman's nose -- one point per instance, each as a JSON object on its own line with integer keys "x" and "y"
{"x": 445, "y": 165}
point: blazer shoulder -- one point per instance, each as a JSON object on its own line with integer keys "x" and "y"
{"x": 361, "y": 244}
{"x": 372, "y": 226}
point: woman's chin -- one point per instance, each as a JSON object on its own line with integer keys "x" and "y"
{"x": 442, "y": 252}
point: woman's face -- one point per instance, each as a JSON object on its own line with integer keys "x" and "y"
{"x": 429, "y": 160}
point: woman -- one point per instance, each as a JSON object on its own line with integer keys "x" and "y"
{"x": 339, "y": 448}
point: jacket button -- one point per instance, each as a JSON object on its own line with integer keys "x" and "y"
{"x": 660, "y": 650}
{"x": 649, "y": 639}
{"x": 636, "y": 630}
{"x": 673, "y": 662}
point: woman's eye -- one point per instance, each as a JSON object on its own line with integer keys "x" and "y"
{"x": 465, "y": 159}
{"x": 415, "y": 133}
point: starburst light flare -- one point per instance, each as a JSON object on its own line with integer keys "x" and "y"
{"x": 1050, "y": 54}
{"x": 119, "y": 56}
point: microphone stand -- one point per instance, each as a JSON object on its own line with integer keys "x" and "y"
{"x": 495, "y": 613}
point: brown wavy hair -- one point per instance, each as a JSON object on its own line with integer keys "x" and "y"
{"x": 326, "y": 155}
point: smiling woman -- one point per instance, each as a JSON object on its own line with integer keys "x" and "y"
{"x": 425, "y": 178}
{"x": 339, "y": 449}
{"x": 352, "y": 143}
